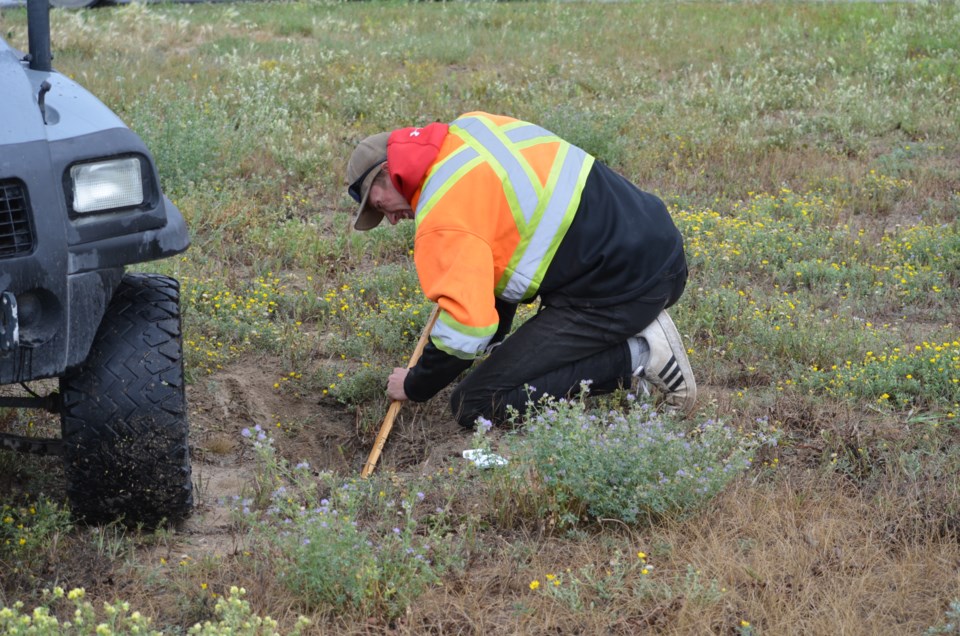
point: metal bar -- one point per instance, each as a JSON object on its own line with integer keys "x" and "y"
{"x": 47, "y": 403}
{"x": 32, "y": 445}
{"x": 38, "y": 32}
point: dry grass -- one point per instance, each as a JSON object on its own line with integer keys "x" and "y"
{"x": 807, "y": 556}
{"x": 795, "y": 555}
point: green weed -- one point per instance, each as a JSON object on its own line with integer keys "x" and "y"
{"x": 952, "y": 624}
{"x": 634, "y": 465}
{"x": 346, "y": 545}
{"x": 234, "y": 618}
{"x": 28, "y": 529}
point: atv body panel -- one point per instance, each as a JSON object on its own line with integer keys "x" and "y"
{"x": 61, "y": 266}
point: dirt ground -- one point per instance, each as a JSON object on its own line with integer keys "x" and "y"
{"x": 304, "y": 428}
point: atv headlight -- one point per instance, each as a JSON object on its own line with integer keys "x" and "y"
{"x": 106, "y": 185}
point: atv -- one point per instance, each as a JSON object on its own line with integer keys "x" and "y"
{"x": 80, "y": 200}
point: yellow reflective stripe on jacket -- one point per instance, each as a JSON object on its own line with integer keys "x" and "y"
{"x": 554, "y": 212}
{"x": 522, "y": 133}
{"x": 541, "y": 176}
{"x": 543, "y": 215}
{"x": 443, "y": 175}
{"x": 565, "y": 183}
{"x": 458, "y": 340}
{"x": 520, "y": 182}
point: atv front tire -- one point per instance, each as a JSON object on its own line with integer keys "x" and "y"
{"x": 124, "y": 414}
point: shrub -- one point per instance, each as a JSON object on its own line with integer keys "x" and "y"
{"x": 952, "y": 626}
{"x": 30, "y": 528}
{"x": 632, "y": 465}
{"x": 346, "y": 545}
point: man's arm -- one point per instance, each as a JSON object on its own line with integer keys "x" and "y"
{"x": 505, "y": 312}
{"x": 436, "y": 369}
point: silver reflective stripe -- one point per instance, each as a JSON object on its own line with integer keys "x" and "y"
{"x": 441, "y": 176}
{"x": 542, "y": 213}
{"x": 528, "y": 132}
{"x": 518, "y": 177}
{"x": 564, "y": 186}
{"x": 451, "y": 340}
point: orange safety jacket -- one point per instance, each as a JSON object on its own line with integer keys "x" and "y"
{"x": 493, "y": 208}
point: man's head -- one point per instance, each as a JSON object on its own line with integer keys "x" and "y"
{"x": 367, "y": 161}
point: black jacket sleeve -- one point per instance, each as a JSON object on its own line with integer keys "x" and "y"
{"x": 436, "y": 369}
{"x": 505, "y": 311}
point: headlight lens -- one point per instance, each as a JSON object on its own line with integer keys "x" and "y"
{"x": 106, "y": 185}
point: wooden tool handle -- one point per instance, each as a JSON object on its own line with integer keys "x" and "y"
{"x": 396, "y": 404}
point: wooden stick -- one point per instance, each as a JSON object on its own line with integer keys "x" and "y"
{"x": 396, "y": 404}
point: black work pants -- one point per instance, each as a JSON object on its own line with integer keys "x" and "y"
{"x": 557, "y": 349}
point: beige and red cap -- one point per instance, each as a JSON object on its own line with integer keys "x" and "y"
{"x": 365, "y": 164}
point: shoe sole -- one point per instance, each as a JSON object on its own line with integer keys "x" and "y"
{"x": 677, "y": 369}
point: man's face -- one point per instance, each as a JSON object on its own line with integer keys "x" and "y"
{"x": 385, "y": 199}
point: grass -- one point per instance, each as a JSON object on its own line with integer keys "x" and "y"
{"x": 806, "y": 150}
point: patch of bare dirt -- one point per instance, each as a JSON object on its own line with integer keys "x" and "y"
{"x": 304, "y": 428}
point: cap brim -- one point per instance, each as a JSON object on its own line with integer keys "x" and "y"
{"x": 367, "y": 217}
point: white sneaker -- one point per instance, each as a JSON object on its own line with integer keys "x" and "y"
{"x": 668, "y": 368}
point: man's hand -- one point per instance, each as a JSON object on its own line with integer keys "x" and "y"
{"x": 395, "y": 384}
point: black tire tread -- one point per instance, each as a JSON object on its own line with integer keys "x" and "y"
{"x": 124, "y": 414}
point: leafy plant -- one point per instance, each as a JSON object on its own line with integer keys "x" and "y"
{"x": 342, "y": 544}
{"x": 234, "y": 618}
{"x": 633, "y": 465}
{"x": 31, "y": 527}
{"x": 951, "y": 626}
